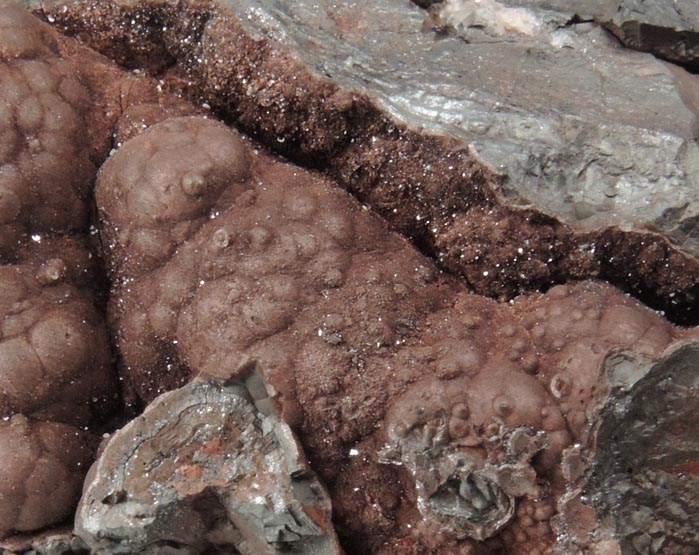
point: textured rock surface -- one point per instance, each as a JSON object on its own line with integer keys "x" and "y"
{"x": 642, "y": 478}
{"x": 56, "y": 383}
{"x": 583, "y": 129}
{"x": 57, "y": 541}
{"x": 322, "y": 85}
{"x": 441, "y": 421}
{"x": 45, "y": 168}
{"x": 668, "y": 29}
{"x": 59, "y": 104}
{"x": 206, "y": 469}
{"x": 41, "y": 461}
{"x": 377, "y": 360}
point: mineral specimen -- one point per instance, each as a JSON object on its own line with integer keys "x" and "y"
{"x": 307, "y": 378}
{"x": 376, "y": 359}
{"x": 56, "y": 382}
{"x": 578, "y": 147}
{"x": 206, "y": 468}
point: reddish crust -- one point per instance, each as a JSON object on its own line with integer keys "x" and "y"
{"x": 55, "y": 362}
{"x": 223, "y": 256}
{"x": 365, "y": 342}
{"x": 43, "y": 467}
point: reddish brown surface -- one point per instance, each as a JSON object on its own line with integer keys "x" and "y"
{"x": 59, "y": 105}
{"x": 360, "y": 335}
{"x": 222, "y": 256}
{"x": 56, "y": 384}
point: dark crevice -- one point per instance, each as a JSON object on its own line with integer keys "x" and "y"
{"x": 426, "y": 3}
{"x": 666, "y": 44}
{"x": 429, "y": 188}
{"x": 102, "y": 287}
{"x": 141, "y": 38}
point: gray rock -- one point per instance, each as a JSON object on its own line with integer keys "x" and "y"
{"x": 580, "y": 127}
{"x": 668, "y": 29}
{"x": 206, "y": 468}
{"x": 468, "y": 497}
{"x": 641, "y": 481}
{"x": 52, "y": 542}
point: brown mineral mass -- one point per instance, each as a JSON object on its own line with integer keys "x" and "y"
{"x": 56, "y": 385}
{"x": 376, "y": 358}
{"x": 57, "y": 109}
{"x": 46, "y": 167}
{"x": 261, "y": 315}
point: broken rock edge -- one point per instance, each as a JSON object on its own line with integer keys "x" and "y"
{"x": 661, "y": 50}
{"x": 250, "y": 393}
{"x": 606, "y": 486}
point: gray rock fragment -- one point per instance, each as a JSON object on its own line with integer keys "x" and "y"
{"x": 581, "y": 127}
{"x": 639, "y": 485}
{"x": 52, "y": 542}
{"x": 467, "y": 485}
{"x": 456, "y": 487}
{"x": 667, "y": 29}
{"x": 207, "y": 468}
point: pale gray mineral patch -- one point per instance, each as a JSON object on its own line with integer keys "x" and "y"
{"x": 207, "y": 468}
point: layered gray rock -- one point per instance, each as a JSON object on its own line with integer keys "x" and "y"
{"x": 579, "y": 126}
{"x": 205, "y": 469}
{"x": 669, "y": 30}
